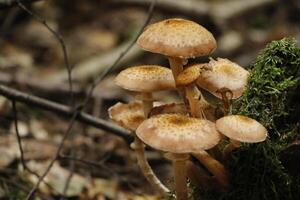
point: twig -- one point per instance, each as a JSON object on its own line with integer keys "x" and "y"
{"x": 87, "y": 162}
{"x": 64, "y": 111}
{"x": 65, "y": 136}
{"x": 100, "y": 165}
{"x": 60, "y": 40}
{"x": 71, "y": 169}
{"x": 21, "y": 186}
{"x": 92, "y": 66}
{"x": 72, "y": 98}
{"x": 9, "y": 3}
{"x": 122, "y": 54}
{"x": 38, "y": 84}
{"x": 25, "y": 167}
{"x": 9, "y": 19}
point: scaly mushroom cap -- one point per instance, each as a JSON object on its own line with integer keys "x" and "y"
{"x": 178, "y": 133}
{"x": 241, "y": 128}
{"x": 146, "y": 78}
{"x": 177, "y": 38}
{"x": 130, "y": 116}
{"x": 224, "y": 74}
{"x": 189, "y": 74}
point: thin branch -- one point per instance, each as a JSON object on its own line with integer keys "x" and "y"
{"x": 22, "y": 187}
{"x": 101, "y": 165}
{"x": 60, "y": 40}
{"x": 108, "y": 69}
{"x": 63, "y": 110}
{"x": 65, "y": 136}
{"x": 9, "y": 3}
{"x": 25, "y": 167}
{"x": 71, "y": 169}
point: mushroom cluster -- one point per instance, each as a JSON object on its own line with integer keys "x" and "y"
{"x": 191, "y": 128}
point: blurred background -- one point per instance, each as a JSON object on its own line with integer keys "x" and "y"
{"x": 95, "y": 32}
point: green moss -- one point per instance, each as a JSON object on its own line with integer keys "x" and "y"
{"x": 270, "y": 98}
{"x": 272, "y": 86}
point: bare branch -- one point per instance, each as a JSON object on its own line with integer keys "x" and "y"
{"x": 25, "y": 167}
{"x": 9, "y": 3}
{"x": 64, "y": 111}
{"x": 60, "y": 39}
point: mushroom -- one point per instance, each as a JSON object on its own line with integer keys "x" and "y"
{"x": 179, "y": 135}
{"x": 130, "y": 115}
{"x": 224, "y": 77}
{"x": 186, "y": 79}
{"x": 239, "y": 129}
{"x": 146, "y": 79}
{"x": 178, "y": 39}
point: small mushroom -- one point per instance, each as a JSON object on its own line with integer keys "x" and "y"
{"x": 179, "y": 135}
{"x": 240, "y": 129}
{"x": 186, "y": 79}
{"x": 146, "y": 79}
{"x": 130, "y": 115}
{"x": 224, "y": 77}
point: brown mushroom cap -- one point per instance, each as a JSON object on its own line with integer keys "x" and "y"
{"x": 224, "y": 74}
{"x": 241, "y": 128}
{"x": 189, "y": 75}
{"x": 177, "y": 38}
{"x": 130, "y": 116}
{"x": 146, "y": 78}
{"x": 178, "y": 133}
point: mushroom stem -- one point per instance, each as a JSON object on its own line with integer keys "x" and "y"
{"x": 214, "y": 166}
{"x": 139, "y": 149}
{"x": 180, "y": 173}
{"x": 193, "y": 98}
{"x": 176, "y": 65}
{"x": 198, "y": 177}
{"x": 147, "y": 103}
{"x": 226, "y": 100}
{"x": 229, "y": 148}
{"x": 146, "y": 169}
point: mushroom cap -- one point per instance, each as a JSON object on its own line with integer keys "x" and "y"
{"x": 146, "y": 78}
{"x": 242, "y": 128}
{"x": 178, "y": 133}
{"x": 130, "y": 115}
{"x": 177, "y": 38}
{"x": 189, "y": 75}
{"x": 224, "y": 74}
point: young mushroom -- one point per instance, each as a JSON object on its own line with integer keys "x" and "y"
{"x": 186, "y": 79}
{"x": 224, "y": 77}
{"x": 179, "y": 135}
{"x": 146, "y": 79}
{"x": 130, "y": 115}
{"x": 240, "y": 129}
